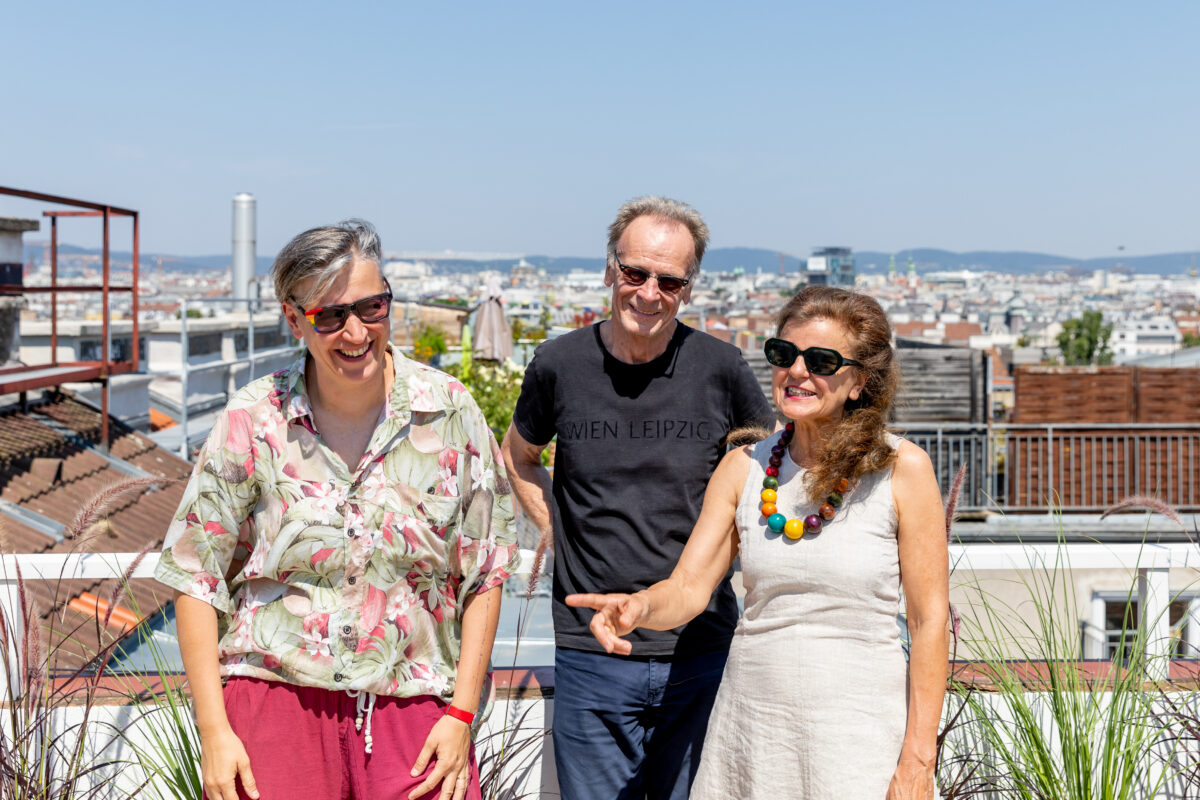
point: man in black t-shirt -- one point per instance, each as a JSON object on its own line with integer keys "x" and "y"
{"x": 640, "y": 405}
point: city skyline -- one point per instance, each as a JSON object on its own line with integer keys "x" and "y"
{"x": 1063, "y": 130}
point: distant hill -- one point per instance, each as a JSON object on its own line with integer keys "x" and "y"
{"x": 1016, "y": 262}
{"x": 751, "y": 259}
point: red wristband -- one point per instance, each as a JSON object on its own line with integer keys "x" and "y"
{"x": 460, "y": 715}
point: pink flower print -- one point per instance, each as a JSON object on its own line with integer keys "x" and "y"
{"x": 316, "y": 635}
{"x": 384, "y": 534}
{"x": 447, "y": 483}
{"x": 265, "y": 430}
{"x": 272, "y": 662}
{"x": 254, "y": 564}
{"x": 399, "y": 604}
{"x": 290, "y": 470}
{"x": 420, "y": 395}
{"x": 480, "y": 477}
{"x": 372, "y": 608}
{"x": 354, "y": 523}
{"x": 215, "y": 529}
{"x": 410, "y": 532}
{"x": 321, "y": 555}
{"x": 242, "y": 629}
{"x": 455, "y": 387}
{"x": 241, "y": 431}
{"x": 430, "y": 598}
{"x": 374, "y": 484}
{"x": 371, "y": 641}
{"x": 316, "y": 644}
{"x": 297, "y": 407}
{"x": 275, "y": 397}
{"x": 204, "y": 587}
{"x": 373, "y": 540}
{"x": 438, "y": 684}
{"x": 325, "y": 497}
{"x": 448, "y": 459}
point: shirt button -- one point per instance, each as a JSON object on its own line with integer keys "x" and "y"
{"x": 339, "y": 677}
{"x": 345, "y": 629}
{"x": 352, "y": 580}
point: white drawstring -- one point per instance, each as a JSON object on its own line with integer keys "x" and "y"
{"x": 364, "y": 700}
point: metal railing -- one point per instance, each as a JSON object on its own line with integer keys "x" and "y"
{"x": 1150, "y": 562}
{"x": 1082, "y": 467}
{"x": 186, "y": 368}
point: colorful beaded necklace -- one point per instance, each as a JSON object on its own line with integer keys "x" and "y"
{"x": 794, "y": 528}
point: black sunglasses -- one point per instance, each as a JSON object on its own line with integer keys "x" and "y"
{"x": 331, "y": 319}
{"x": 636, "y": 276}
{"x": 817, "y": 360}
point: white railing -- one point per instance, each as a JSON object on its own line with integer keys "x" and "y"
{"x": 88, "y": 566}
{"x": 535, "y": 775}
{"x": 1151, "y": 563}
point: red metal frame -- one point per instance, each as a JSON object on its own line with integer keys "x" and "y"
{"x": 27, "y": 378}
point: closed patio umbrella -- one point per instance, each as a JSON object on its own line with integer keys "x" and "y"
{"x": 493, "y": 334}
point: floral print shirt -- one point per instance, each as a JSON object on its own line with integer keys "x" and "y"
{"x": 337, "y": 577}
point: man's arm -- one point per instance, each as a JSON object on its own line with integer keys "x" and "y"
{"x": 530, "y": 480}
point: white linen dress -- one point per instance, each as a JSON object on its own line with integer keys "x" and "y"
{"x": 813, "y": 702}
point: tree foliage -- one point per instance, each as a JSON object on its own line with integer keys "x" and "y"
{"x": 495, "y": 388}
{"x": 1084, "y": 340}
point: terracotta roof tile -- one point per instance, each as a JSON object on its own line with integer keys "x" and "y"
{"x": 68, "y": 476}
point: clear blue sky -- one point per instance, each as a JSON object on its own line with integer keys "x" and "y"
{"x": 1065, "y": 127}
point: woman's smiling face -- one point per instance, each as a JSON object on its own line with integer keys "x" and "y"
{"x": 356, "y": 354}
{"x": 803, "y": 396}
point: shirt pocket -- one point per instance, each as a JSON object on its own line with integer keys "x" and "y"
{"x": 417, "y": 537}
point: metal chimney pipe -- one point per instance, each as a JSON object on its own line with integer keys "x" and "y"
{"x": 244, "y": 245}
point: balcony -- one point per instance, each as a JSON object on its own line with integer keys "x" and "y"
{"x": 514, "y": 746}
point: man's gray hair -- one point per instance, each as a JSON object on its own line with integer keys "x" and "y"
{"x": 320, "y": 254}
{"x": 663, "y": 208}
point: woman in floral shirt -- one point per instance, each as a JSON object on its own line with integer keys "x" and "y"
{"x": 338, "y": 555}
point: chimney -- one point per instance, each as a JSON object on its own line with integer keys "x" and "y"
{"x": 244, "y": 249}
{"x": 11, "y": 279}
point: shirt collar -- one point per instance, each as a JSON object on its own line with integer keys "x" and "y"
{"x": 415, "y": 389}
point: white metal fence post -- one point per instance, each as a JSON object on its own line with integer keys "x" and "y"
{"x": 1154, "y": 607}
{"x": 14, "y": 630}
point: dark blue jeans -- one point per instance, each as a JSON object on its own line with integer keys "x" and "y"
{"x": 630, "y": 728}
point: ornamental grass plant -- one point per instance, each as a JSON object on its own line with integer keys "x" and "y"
{"x": 507, "y": 757}
{"x": 1042, "y": 723}
{"x": 50, "y": 744}
{"x": 161, "y": 733}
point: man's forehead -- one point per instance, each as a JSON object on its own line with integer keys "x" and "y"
{"x": 659, "y": 234}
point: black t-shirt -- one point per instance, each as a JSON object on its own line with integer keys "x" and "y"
{"x": 637, "y": 444}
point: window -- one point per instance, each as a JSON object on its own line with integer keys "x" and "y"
{"x": 268, "y": 338}
{"x": 202, "y": 344}
{"x": 121, "y": 349}
{"x": 1122, "y": 619}
{"x": 264, "y": 339}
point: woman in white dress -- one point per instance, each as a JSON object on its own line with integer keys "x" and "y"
{"x": 832, "y": 517}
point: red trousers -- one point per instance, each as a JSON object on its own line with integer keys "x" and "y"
{"x": 302, "y": 742}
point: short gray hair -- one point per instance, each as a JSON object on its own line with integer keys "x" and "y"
{"x": 663, "y": 208}
{"x": 320, "y": 254}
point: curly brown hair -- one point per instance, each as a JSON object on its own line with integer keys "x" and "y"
{"x": 857, "y": 444}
